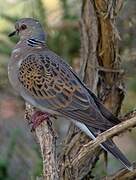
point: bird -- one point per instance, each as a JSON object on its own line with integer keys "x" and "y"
{"x": 48, "y": 83}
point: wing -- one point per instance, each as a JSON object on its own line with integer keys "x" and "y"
{"x": 53, "y": 85}
{"x": 104, "y": 111}
{"x": 48, "y": 81}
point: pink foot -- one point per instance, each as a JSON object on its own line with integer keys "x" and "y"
{"x": 37, "y": 118}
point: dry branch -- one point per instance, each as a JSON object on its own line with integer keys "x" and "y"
{"x": 47, "y": 144}
{"x": 122, "y": 174}
{"x": 92, "y": 145}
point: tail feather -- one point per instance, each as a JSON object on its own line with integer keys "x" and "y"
{"x": 111, "y": 147}
{"x": 108, "y": 145}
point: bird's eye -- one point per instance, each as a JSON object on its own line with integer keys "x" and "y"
{"x": 23, "y": 27}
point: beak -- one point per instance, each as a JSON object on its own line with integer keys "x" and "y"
{"x": 12, "y": 34}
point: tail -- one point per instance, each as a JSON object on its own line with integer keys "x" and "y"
{"x": 111, "y": 147}
{"x": 108, "y": 145}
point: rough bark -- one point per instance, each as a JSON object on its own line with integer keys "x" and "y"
{"x": 100, "y": 70}
{"x": 46, "y": 139}
{"x": 110, "y": 86}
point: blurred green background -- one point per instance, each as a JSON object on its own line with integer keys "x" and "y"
{"x": 19, "y": 154}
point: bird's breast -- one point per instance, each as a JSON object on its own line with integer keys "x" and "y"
{"x": 13, "y": 68}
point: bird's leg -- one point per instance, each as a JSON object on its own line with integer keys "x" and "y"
{"x": 37, "y": 118}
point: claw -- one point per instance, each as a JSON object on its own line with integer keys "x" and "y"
{"x": 37, "y": 118}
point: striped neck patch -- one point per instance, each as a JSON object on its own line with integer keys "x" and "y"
{"x": 34, "y": 42}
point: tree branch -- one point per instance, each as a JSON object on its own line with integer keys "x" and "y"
{"x": 123, "y": 174}
{"x": 47, "y": 144}
{"x": 90, "y": 147}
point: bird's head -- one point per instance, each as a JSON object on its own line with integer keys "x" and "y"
{"x": 29, "y": 28}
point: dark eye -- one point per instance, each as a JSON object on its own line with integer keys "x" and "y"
{"x": 23, "y": 27}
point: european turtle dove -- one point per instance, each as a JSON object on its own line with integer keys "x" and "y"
{"x": 44, "y": 80}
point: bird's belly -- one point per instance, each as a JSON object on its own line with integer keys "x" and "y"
{"x": 28, "y": 98}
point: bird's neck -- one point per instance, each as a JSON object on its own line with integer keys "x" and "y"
{"x": 35, "y": 42}
{"x": 25, "y": 46}
{"x": 30, "y": 43}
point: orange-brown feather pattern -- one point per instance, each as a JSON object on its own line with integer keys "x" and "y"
{"x": 46, "y": 80}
